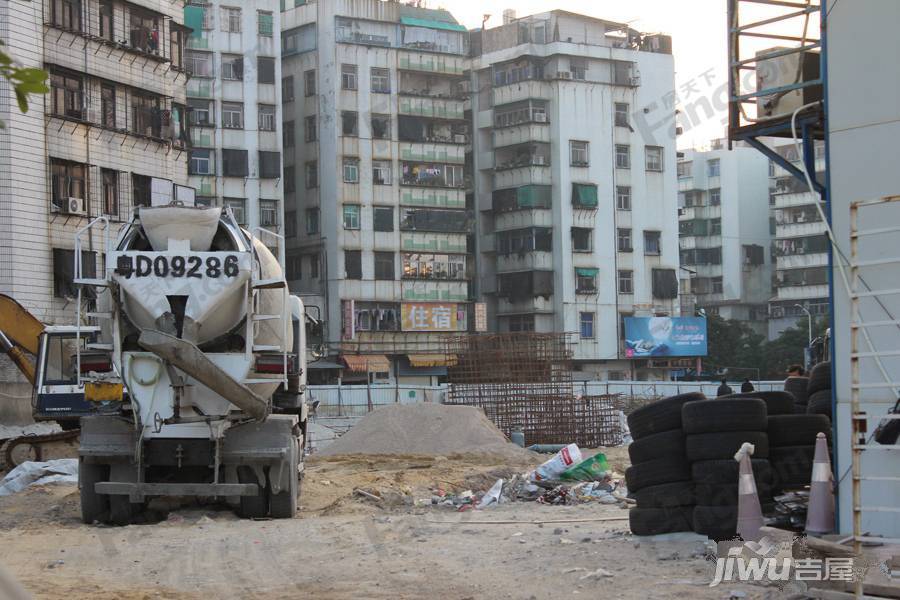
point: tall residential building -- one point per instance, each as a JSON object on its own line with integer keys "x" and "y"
{"x": 726, "y": 261}
{"x": 375, "y": 182}
{"x": 235, "y": 99}
{"x": 800, "y": 249}
{"x": 108, "y": 137}
{"x": 576, "y": 199}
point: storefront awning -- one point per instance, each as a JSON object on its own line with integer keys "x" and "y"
{"x": 584, "y": 195}
{"x": 431, "y": 24}
{"x": 366, "y": 363}
{"x": 585, "y": 272}
{"x": 431, "y": 360}
{"x": 324, "y": 364}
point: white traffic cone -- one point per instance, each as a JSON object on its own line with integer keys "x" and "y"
{"x": 749, "y": 513}
{"x": 820, "y": 512}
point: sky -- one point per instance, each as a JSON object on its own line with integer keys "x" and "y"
{"x": 698, "y": 35}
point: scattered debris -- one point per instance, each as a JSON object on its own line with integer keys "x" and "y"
{"x": 64, "y": 470}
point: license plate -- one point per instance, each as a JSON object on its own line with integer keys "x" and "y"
{"x": 192, "y": 267}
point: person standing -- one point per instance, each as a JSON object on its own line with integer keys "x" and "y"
{"x": 724, "y": 389}
{"x": 746, "y": 387}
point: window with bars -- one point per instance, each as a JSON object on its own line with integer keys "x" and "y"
{"x": 623, "y": 236}
{"x": 623, "y": 156}
{"x": 146, "y": 115}
{"x": 231, "y": 19}
{"x": 351, "y": 216}
{"x": 232, "y": 115}
{"x": 267, "y": 115}
{"x": 626, "y": 282}
{"x": 622, "y": 114}
{"x": 348, "y": 77}
{"x": 140, "y": 190}
{"x": 66, "y": 14}
{"x": 108, "y": 105}
{"x": 201, "y": 113}
{"x": 268, "y": 214}
{"x": 652, "y": 242}
{"x": 265, "y": 23}
{"x": 351, "y": 170}
{"x": 654, "y": 156}
{"x": 232, "y": 67}
{"x": 310, "y": 128}
{"x": 582, "y": 239}
{"x": 381, "y": 127}
{"x": 110, "y": 192}
{"x": 106, "y": 20}
{"x": 349, "y": 123}
{"x": 67, "y": 95}
{"x": 579, "y": 153}
{"x": 239, "y": 207}
{"x": 715, "y": 197}
{"x": 381, "y": 172}
{"x": 623, "y": 197}
{"x": 200, "y": 63}
{"x": 381, "y": 80}
{"x": 68, "y": 181}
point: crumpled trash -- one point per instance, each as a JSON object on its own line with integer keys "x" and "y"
{"x": 492, "y": 496}
{"x": 64, "y": 470}
{"x": 562, "y": 460}
{"x": 558, "y": 495}
{"x": 594, "y": 468}
{"x": 626, "y": 432}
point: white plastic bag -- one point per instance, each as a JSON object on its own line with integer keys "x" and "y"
{"x": 561, "y": 461}
{"x": 492, "y": 495}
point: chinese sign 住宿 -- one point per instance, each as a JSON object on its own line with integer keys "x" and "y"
{"x": 429, "y": 317}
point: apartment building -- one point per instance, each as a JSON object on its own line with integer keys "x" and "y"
{"x": 234, "y": 96}
{"x": 108, "y": 137}
{"x": 575, "y": 200}
{"x": 377, "y": 224}
{"x": 800, "y": 248}
{"x": 724, "y": 236}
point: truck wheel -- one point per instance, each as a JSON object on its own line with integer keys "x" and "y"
{"x": 94, "y": 506}
{"x": 253, "y": 507}
{"x": 121, "y": 508}
{"x": 284, "y": 504}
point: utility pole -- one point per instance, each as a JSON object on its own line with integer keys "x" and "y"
{"x": 807, "y": 354}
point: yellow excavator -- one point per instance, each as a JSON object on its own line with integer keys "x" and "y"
{"x": 46, "y": 356}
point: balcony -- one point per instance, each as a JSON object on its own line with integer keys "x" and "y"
{"x": 432, "y": 108}
{"x": 434, "y": 64}
{"x": 686, "y": 184}
{"x": 707, "y": 270}
{"x": 525, "y": 261}
{"x": 700, "y": 212}
{"x": 433, "y": 198}
{"x": 801, "y": 292}
{"x": 522, "y": 134}
{"x": 422, "y": 85}
{"x": 707, "y": 241}
{"x": 796, "y": 261}
{"x": 523, "y": 90}
{"x": 535, "y": 154}
{"x": 433, "y": 242}
{"x": 441, "y": 153}
{"x": 435, "y": 291}
{"x": 792, "y": 230}
{"x": 523, "y": 218}
{"x": 433, "y": 220}
{"x": 537, "y": 304}
{"x": 794, "y": 199}
{"x": 529, "y": 175}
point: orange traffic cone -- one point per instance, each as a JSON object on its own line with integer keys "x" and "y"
{"x": 749, "y": 514}
{"x": 820, "y": 513}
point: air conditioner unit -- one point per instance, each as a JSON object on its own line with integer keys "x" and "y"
{"x": 538, "y": 160}
{"x": 564, "y": 75}
{"x": 540, "y": 117}
{"x": 74, "y": 206}
{"x": 459, "y": 138}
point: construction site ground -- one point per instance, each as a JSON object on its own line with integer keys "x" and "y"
{"x": 342, "y": 545}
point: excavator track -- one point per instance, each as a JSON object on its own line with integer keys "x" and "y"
{"x": 41, "y": 447}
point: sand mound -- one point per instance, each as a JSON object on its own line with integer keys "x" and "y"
{"x": 425, "y": 429}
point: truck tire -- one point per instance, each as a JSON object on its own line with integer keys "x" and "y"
{"x": 724, "y": 494}
{"x": 656, "y": 472}
{"x": 659, "y": 416}
{"x": 658, "y": 445}
{"x": 655, "y": 521}
{"x": 729, "y": 414}
{"x": 666, "y": 495}
{"x": 777, "y": 403}
{"x": 727, "y": 471}
{"x": 716, "y": 522}
{"x": 793, "y": 465}
{"x": 819, "y": 378}
{"x": 121, "y": 509}
{"x": 253, "y": 507}
{"x": 283, "y": 505}
{"x": 820, "y": 404}
{"x": 94, "y": 506}
{"x": 715, "y": 446}
{"x": 798, "y": 430}
{"x": 797, "y": 386}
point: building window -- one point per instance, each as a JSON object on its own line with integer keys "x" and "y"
{"x": 66, "y": 95}
{"x": 265, "y": 23}
{"x": 519, "y": 323}
{"x": 67, "y": 182}
{"x": 381, "y": 127}
{"x": 145, "y": 109}
{"x": 201, "y": 112}
{"x": 106, "y": 20}
{"x": 353, "y": 264}
{"x": 232, "y": 115}
{"x": 587, "y": 325}
{"x": 64, "y": 278}
{"x": 267, "y": 117}
{"x": 235, "y": 163}
{"x": 585, "y": 281}
{"x": 578, "y": 153}
{"x": 582, "y": 239}
{"x": 289, "y": 178}
{"x": 269, "y": 165}
{"x": 715, "y": 226}
{"x": 622, "y": 114}
{"x": 140, "y": 190}
{"x": 287, "y": 89}
{"x": 314, "y": 261}
{"x": 310, "y": 128}
{"x": 294, "y": 267}
{"x": 265, "y": 66}
{"x": 715, "y": 197}
{"x": 383, "y": 218}
{"x": 312, "y": 221}
{"x": 205, "y": 200}
{"x": 626, "y": 282}
{"x": 651, "y": 242}
{"x": 231, "y": 19}
{"x": 384, "y": 266}
{"x": 351, "y": 170}
{"x": 716, "y": 285}
{"x": 201, "y": 162}
{"x": 312, "y": 175}
{"x": 381, "y": 81}
{"x": 624, "y": 240}
{"x": 66, "y": 14}
{"x": 623, "y": 197}
{"x": 348, "y": 77}
{"x": 351, "y": 216}
{"x": 712, "y": 168}
{"x": 349, "y": 123}
{"x": 381, "y": 172}
{"x": 199, "y": 63}
{"x": 684, "y": 168}
{"x": 232, "y": 67}
{"x": 309, "y": 83}
{"x": 578, "y": 68}
{"x": 238, "y": 206}
{"x": 268, "y": 214}
{"x": 654, "y": 156}
{"x": 108, "y": 105}
{"x": 110, "y": 192}
{"x": 623, "y": 156}
{"x": 287, "y": 134}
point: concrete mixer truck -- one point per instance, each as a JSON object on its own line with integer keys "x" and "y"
{"x": 207, "y": 354}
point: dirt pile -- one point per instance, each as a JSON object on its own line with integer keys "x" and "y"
{"x": 426, "y": 429}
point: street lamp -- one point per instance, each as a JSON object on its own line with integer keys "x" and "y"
{"x": 808, "y": 322}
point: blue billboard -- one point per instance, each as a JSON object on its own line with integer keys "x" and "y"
{"x": 648, "y": 337}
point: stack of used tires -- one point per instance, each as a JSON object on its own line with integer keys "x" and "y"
{"x": 796, "y": 386}
{"x": 659, "y": 477}
{"x": 714, "y": 432}
{"x": 792, "y": 447}
{"x": 819, "y": 390}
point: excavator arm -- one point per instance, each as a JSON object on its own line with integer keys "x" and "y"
{"x": 20, "y": 331}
